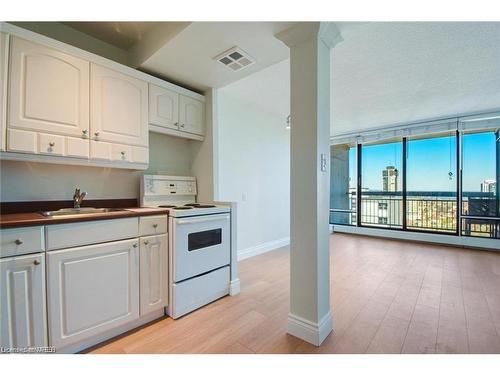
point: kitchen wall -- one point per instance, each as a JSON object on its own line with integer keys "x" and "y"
{"x": 253, "y": 169}
{"x": 24, "y": 181}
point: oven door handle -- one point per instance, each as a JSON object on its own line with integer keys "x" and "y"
{"x": 201, "y": 220}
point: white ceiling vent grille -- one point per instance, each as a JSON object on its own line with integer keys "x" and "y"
{"x": 235, "y": 59}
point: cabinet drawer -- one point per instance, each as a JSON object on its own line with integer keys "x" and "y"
{"x": 140, "y": 155}
{"x": 151, "y": 225}
{"x": 21, "y": 141}
{"x": 19, "y": 241}
{"x": 77, "y": 147}
{"x": 50, "y": 144}
{"x": 120, "y": 152}
{"x": 90, "y": 232}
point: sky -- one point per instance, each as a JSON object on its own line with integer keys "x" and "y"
{"x": 429, "y": 162}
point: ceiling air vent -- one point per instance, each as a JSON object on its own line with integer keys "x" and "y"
{"x": 235, "y": 59}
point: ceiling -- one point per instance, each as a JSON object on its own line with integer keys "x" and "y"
{"x": 119, "y": 34}
{"x": 382, "y": 73}
{"x": 189, "y": 56}
{"x": 183, "y": 52}
{"x": 387, "y": 73}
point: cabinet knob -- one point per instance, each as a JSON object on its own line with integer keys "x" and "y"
{"x": 84, "y": 133}
{"x": 96, "y": 134}
{"x": 52, "y": 144}
{"x": 18, "y": 242}
{"x": 182, "y": 125}
{"x": 134, "y": 245}
{"x": 123, "y": 153}
{"x": 146, "y": 242}
{"x": 155, "y": 225}
{"x": 176, "y": 124}
{"x": 36, "y": 262}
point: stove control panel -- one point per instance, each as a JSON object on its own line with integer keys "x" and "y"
{"x": 158, "y": 185}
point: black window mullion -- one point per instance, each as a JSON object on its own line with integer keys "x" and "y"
{"x": 459, "y": 185}
{"x": 358, "y": 190}
{"x": 404, "y": 184}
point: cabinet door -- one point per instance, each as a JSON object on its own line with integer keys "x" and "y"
{"x": 3, "y": 87}
{"x": 48, "y": 90}
{"x": 91, "y": 289}
{"x": 191, "y": 116}
{"x": 119, "y": 107}
{"x": 154, "y": 264}
{"x": 163, "y": 107}
{"x": 22, "y": 302}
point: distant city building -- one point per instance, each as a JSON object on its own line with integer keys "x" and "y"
{"x": 390, "y": 178}
{"x": 489, "y": 186}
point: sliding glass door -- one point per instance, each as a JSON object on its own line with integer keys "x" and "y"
{"x": 381, "y": 185}
{"x": 480, "y": 175}
{"x": 431, "y": 183}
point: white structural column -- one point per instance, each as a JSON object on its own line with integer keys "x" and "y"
{"x": 310, "y": 315}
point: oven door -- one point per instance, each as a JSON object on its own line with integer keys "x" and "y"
{"x": 199, "y": 244}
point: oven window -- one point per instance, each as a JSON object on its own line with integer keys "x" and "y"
{"x": 203, "y": 239}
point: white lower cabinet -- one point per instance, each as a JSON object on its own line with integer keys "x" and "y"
{"x": 22, "y": 302}
{"x": 91, "y": 289}
{"x": 154, "y": 266}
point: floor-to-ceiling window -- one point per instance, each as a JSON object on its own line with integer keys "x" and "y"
{"x": 480, "y": 175}
{"x": 343, "y": 184}
{"x": 431, "y": 183}
{"x": 440, "y": 177}
{"x": 381, "y": 185}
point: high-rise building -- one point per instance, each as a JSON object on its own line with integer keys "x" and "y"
{"x": 489, "y": 186}
{"x": 390, "y": 178}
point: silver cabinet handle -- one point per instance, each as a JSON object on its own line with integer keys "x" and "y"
{"x": 155, "y": 225}
{"x": 134, "y": 245}
{"x": 182, "y": 125}
{"x": 123, "y": 153}
{"x": 146, "y": 242}
{"x": 36, "y": 262}
{"x": 52, "y": 144}
{"x": 176, "y": 124}
{"x": 96, "y": 134}
{"x": 84, "y": 133}
{"x": 18, "y": 242}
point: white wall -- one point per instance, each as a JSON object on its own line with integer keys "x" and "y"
{"x": 25, "y": 181}
{"x": 254, "y": 170}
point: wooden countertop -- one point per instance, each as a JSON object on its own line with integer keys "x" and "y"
{"x": 33, "y": 218}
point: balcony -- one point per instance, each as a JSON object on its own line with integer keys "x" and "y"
{"x": 425, "y": 211}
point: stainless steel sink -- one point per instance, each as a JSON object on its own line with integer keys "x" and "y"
{"x": 79, "y": 211}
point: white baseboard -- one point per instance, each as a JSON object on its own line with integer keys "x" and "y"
{"x": 262, "y": 248}
{"x": 234, "y": 287}
{"x": 461, "y": 241}
{"x": 313, "y": 333}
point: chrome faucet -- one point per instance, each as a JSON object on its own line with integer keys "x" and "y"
{"x": 78, "y": 198}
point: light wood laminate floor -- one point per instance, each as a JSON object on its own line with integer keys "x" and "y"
{"x": 387, "y": 297}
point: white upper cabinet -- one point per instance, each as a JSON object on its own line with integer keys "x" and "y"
{"x": 163, "y": 107}
{"x": 119, "y": 107}
{"x": 48, "y": 90}
{"x": 22, "y": 302}
{"x": 3, "y": 87}
{"x": 191, "y": 115}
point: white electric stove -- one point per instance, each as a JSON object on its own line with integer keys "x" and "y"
{"x": 199, "y": 242}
